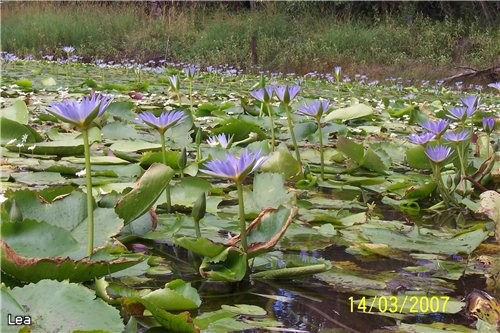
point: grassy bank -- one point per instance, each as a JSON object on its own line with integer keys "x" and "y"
{"x": 284, "y": 41}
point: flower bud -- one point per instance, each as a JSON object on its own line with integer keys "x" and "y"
{"x": 199, "y": 207}
{"x": 197, "y": 138}
{"x": 182, "y": 161}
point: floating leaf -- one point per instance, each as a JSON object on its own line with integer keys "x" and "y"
{"x": 351, "y": 112}
{"x": 282, "y": 161}
{"x": 181, "y": 323}
{"x": 59, "y": 148}
{"x": 268, "y": 192}
{"x": 417, "y": 159}
{"x": 176, "y": 296}
{"x": 230, "y": 265}
{"x": 63, "y": 307}
{"x": 351, "y": 149}
{"x": 12, "y": 130}
{"x": 266, "y": 230}
{"x": 464, "y": 242}
{"x": 18, "y": 112}
{"x": 36, "y": 269}
{"x": 144, "y": 195}
{"x": 239, "y": 128}
{"x": 37, "y": 239}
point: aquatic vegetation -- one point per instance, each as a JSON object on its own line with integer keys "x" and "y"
{"x": 82, "y": 114}
{"x": 397, "y": 200}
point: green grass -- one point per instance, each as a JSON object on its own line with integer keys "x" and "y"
{"x": 285, "y": 41}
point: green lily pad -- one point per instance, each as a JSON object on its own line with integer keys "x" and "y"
{"x": 176, "y": 296}
{"x": 57, "y": 268}
{"x": 144, "y": 195}
{"x": 282, "y": 161}
{"x": 351, "y": 112}
{"x": 30, "y": 238}
{"x": 465, "y": 242}
{"x": 12, "y": 130}
{"x": 59, "y": 148}
{"x": 17, "y": 112}
{"x": 181, "y": 323}
{"x": 63, "y": 307}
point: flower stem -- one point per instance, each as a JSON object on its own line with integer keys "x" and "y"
{"x": 191, "y": 95}
{"x": 164, "y": 155}
{"x": 290, "y": 127}
{"x": 440, "y": 185}
{"x": 197, "y": 228}
{"x": 90, "y": 199}
{"x": 243, "y": 226}
{"x": 271, "y": 117}
{"x": 321, "y": 154}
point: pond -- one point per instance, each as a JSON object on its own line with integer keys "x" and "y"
{"x": 221, "y": 201}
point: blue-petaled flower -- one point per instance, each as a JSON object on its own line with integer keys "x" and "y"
{"x": 190, "y": 71}
{"x": 220, "y": 140}
{"x": 82, "y": 113}
{"x": 165, "y": 121}
{"x": 315, "y": 109}
{"x": 459, "y": 113}
{"x": 471, "y": 102}
{"x": 437, "y": 153}
{"x": 456, "y": 136}
{"x": 488, "y": 124}
{"x": 421, "y": 139}
{"x": 174, "y": 82}
{"x": 338, "y": 69}
{"x": 437, "y": 127}
{"x": 263, "y": 94}
{"x": 286, "y": 93}
{"x": 235, "y": 168}
{"x": 494, "y": 85}
{"x": 68, "y": 49}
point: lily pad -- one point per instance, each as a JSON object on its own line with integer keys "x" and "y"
{"x": 63, "y": 307}
{"x": 57, "y": 268}
{"x": 176, "y": 296}
{"x": 351, "y": 112}
{"x": 144, "y": 195}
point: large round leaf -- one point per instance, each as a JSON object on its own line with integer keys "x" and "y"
{"x": 63, "y": 307}
{"x": 176, "y": 296}
{"x": 36, "y": 269}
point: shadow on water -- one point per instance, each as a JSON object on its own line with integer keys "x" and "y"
{"x": 303, "y": 305}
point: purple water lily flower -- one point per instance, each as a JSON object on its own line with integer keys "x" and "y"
{"x": 437, "y": 153}
{"x": 488, "y": 124}
{"x": 494, "y": 85}
{"x": 471, "y": 102}
{"x": 421, "y": 139}
{"x": 82, "y": 113}
{"x": 456, "y": 137}
{"x": 338, "y": 69}
{"x": 235, "y": 168}
{"x": 263, "y": 94}
{"x": 286, "y": 93}
{"x": 221, "y": 140}
{"x": 190, "y": 71}
{"x": 316, "y": 109}
{"x": 437, "y": 127}
{"x": 165, "y": 121}
{"x": 459, "y": 113}
{"x": 174, "y": 82}
{"x": 68, "y": 49}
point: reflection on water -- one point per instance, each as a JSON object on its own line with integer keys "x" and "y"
{"x": 302, "y": 305}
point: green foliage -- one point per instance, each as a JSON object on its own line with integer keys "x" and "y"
{"x": 329, "y": 34}
{"x": 60, "y": 306}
